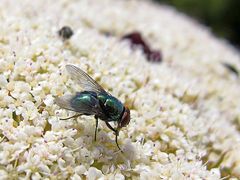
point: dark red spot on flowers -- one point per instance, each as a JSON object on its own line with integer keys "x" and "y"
{"x": 136, "y": 40}
{"x": 155, "y": 56}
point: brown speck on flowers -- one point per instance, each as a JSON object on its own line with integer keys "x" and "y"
{"x": 9, "y": 94}
{"x": 137, "y": 41}
{"x": 65, "y": 32}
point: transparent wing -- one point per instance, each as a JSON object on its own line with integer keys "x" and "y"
{"x": 92, "y": 108}
{"x": 65, "y": 102}
{"x": 84, "y": 80}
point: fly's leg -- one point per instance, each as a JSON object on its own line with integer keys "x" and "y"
{"x": 116, "y": 134}
{"x": 95, "y": 136}
{"x": 116, "y": 140}
{"x": 76, "y": 115}
{"x": 110, "y": 127}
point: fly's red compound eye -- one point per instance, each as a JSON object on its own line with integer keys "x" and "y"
{"x": 125, "y": 118}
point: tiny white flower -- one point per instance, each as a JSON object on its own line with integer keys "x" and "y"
{"x": 80, "y": 169}
{"x": 119, "y": 177}
{"x": 44, "y": 168}
{"x": 93, "y": 173}
{"x": 3, "y": 81}
{"x": 3, "y": 174}
{"x": 36, "y": 176}
{"x": 76, "y": 177}
{"x": 216, "y": 171}
{"x": 49, "y": 100}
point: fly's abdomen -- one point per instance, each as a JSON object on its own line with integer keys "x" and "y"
{"x": 85, "y": 102}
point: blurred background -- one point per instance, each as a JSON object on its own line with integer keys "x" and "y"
{"x": 222, "y": 16}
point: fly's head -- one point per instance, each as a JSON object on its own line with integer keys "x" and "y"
{"x": 125, "y": 119}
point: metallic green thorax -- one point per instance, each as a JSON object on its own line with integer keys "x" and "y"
{"x": 111, "y": 106}
{"x": 104, "y": 106}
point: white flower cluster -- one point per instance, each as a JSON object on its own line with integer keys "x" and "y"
{"x": 185, "y": 110}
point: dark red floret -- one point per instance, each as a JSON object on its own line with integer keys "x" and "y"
{"x": 137, "y": 41}
{"x": 155, "y": 56}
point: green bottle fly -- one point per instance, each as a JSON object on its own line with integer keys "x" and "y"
{"x": 94, "y": 100}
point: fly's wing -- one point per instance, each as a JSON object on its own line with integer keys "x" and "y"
{"x": 91, "y": 108}
{"x": 84, "y": 80}
{"x": 65, "y": 102}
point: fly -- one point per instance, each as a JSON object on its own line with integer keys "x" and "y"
{"x": 94, "y": 100}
